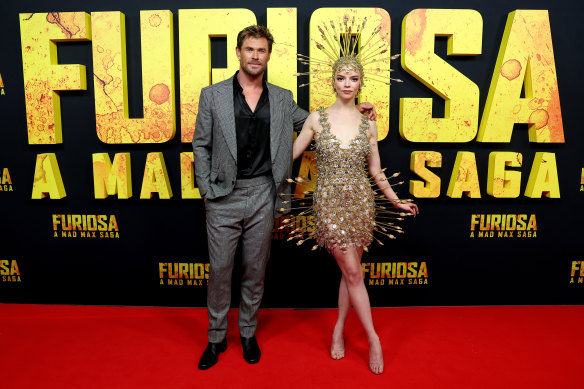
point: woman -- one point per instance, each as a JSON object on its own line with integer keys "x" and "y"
{"x": 344, "y": 209}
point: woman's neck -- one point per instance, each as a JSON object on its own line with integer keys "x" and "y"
{"x": 343, "y": 104}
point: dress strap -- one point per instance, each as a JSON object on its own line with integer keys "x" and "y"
{"x": 323, "y": 120}
{"x": 364, "y": 126}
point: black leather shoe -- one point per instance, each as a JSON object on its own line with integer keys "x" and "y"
{"x": 211, "y": 354}
{"x": 251, "y": 349}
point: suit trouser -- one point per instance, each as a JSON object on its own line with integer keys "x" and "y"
{"x": 246, "y": 213}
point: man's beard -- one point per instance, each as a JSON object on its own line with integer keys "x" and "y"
{"x": 253, "y": 72}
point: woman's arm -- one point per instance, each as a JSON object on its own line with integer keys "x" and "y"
{"x": 305, "y": 137}
{"x": 374, "y": 163}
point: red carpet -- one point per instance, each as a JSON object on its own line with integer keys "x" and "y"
{"x": 435, "y": 347}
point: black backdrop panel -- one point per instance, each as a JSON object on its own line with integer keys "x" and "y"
{"x": 436, "y": 262}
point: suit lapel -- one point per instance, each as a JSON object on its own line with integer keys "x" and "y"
{"x": 275, "y": 117}
{"x": 224, "y": 96}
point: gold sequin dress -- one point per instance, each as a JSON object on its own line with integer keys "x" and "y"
{"x": 343, "y": 200}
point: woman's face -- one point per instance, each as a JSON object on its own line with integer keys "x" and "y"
{"x": 347, "y": 84}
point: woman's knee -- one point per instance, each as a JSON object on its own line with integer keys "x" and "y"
{"x": 353, "y": 276}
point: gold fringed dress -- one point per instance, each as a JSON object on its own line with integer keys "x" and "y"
{"x": 343, "y": 200}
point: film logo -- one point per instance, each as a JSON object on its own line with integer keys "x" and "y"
{"x": 577, "y": 273}
{"x": 183, "y": 273}
{"x": 503, "y": 226}
{"x": 85, "y": 226}
{"x": 9, "y": 271}
{"x": 5, "y": 181}
{"x": 284, "y": 225}
{"x": 395, "y": 273}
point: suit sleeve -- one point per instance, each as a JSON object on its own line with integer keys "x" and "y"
{"x": 202, "y": 144}
{"x": 298, "y": 114}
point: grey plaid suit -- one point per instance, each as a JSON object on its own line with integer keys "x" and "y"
{"x": 240, "y": 208}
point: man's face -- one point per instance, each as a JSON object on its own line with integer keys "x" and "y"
{"x": 253, "y": 56}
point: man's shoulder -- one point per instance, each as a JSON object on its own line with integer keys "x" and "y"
{"x": 279, "y": 90}
{"x": 218, "y": 85}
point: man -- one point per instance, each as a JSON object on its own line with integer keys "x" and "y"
{"x": 243, "y": 156}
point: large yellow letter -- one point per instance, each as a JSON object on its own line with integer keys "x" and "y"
{"x": 196, "y": 27}
{"x": 465, "y": 178}
{"x": 109, "y": 179}
{"x": 47, "y": 178}
{"x": 430, "y": 187}
{"x": 43, "y": 76}
{"x": 500, "y": 182}
{"x": 526, "y": 57}
{"x": 377, "y": 93}
{"x": 464, "y": 29}
{"x": 155, "y": 178}
{"x": 110, "y": 78}
{"x": 282, "y": 23}
{"x": 543, "y": 178}
{"x": 187, "y": 177}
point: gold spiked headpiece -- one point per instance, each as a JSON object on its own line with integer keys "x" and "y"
{"x": 345, "y": 52}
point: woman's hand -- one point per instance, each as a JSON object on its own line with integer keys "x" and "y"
{"x": 408, "y": 207}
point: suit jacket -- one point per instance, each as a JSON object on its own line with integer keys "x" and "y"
{"x": 215, "y": 141}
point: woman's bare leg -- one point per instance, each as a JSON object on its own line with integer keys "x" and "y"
{"x": 338, "y": 342}
{"x": 349, "y": 261}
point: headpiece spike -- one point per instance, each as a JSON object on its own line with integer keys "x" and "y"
{"x": 341, "y": 45}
